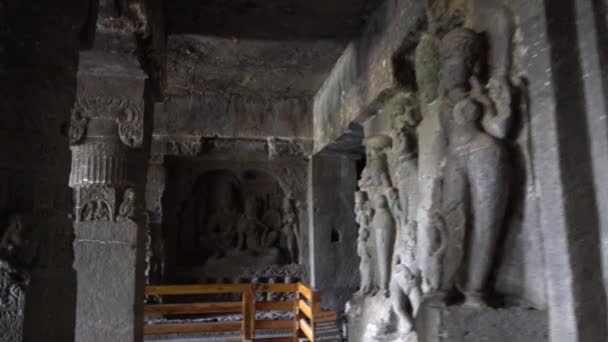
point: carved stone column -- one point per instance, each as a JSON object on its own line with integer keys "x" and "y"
{"x": 118, "y": 78}
{"x": 107, "y": 136}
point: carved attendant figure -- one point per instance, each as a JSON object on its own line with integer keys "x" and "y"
{"x": 290, "y": 228}
{"x": 375, "y": 173}
{"x": 405, "y": 290}
{"x": 384, "y": 231}
{"x": 476, "y": 170}
{"x": 363, "y": 213}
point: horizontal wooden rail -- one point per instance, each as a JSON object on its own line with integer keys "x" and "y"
{"x": 273, "y": 325}
{"x": 275, "y": 306}
{"x": 189, "y": 328}
{"x": 192, "y": 308}
{"x": 326, "y": 316}
{"x": 277, "y": 287}
{"x": 305, "y": 305}
{"x": 175, "y": 290}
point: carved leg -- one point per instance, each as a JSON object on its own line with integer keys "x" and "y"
{"x": 399, "y": 301}
{"x": 488, "y": 170}
{"x": 366, "y": 280}
{"x": 385, "y": 239}
{"x": 454, "y": 213}
{"x": 415, "y": 297}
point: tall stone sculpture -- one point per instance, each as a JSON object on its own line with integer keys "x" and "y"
{"x": 363, "y": 214}
{"x": 475, "y": 190}
{"x": 431, "y": 153}
{"x": 384, "y": 231}
{"x": 405, "y": 280}
{"x": 405, "y": 118}
{"x": 376, "y": 181}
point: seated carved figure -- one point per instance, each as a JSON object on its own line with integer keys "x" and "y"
{"x": 252, "y": 234}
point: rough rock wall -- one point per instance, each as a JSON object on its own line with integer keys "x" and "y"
{"x": 365, "y": 72}
{"x": 38, "y": 56}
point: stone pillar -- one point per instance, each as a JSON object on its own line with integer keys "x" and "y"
{"x": 118, "y": 79}
{"x": 333, "y": 231}
{"x": 106, "y": 135}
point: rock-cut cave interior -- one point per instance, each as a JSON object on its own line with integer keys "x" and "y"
{"x": 304, "y": 170}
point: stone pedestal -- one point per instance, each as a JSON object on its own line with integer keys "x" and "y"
{"x": 370, "y": 320}
{"x": 466, "y": 324}
{"x": 12, "y": 300}
{"x": 110, "y": 281}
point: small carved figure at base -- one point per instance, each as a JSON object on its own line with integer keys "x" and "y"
{"x": 365, "y": 266}
{"x": 406, "y": 296}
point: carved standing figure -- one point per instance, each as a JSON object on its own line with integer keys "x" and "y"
{"x": 375, "y": 174}
{"x": 431, "y": 147}
{"x": 375, "y": 180}
{"x": 384, "y": 232}
{"x": 127, "y": 207}
{"x": 251, "y": 232}
{"x": 363, "y": 213}
{"x": 475, "y": 182}
{"x": 290, "y": 228}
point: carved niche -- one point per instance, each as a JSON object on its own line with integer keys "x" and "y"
{"x": 233, "y": 221}
{"x": 95, "y": 203}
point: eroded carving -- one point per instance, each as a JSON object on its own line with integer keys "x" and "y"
{"x": 291, "y": 229}
{"x": 78, "y": 127}
{"x": 476, "y": 189}
{"x": 95, "y": 203}
{"x": 363, "y": 214}
{"x": 126, "y": 211}
{"x": 14, "y": 277}
{"x": 376, "y": 172}
{"x": 131, "y": 125}
{"x": 98, "y": 163}
{"x": 128, "y": 115}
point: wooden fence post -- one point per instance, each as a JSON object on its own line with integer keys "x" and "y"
{"x": 248, "y": 314}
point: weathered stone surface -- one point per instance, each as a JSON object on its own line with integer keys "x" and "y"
{"x": 297, "y": 20}
{"x": 216, "y": 114}
{"x": 370, "y": 321}
{"x": 365, "y": 72}
{"x": 462, "y": 324}
{"x": 109, "y": 269}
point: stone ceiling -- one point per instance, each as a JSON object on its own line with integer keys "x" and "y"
{"x": 267, "y": 48}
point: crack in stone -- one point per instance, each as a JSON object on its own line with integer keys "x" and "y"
{"x": 103, "y": 242}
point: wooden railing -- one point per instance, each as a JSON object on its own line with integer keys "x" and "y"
{"x": 305, "y": 306}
